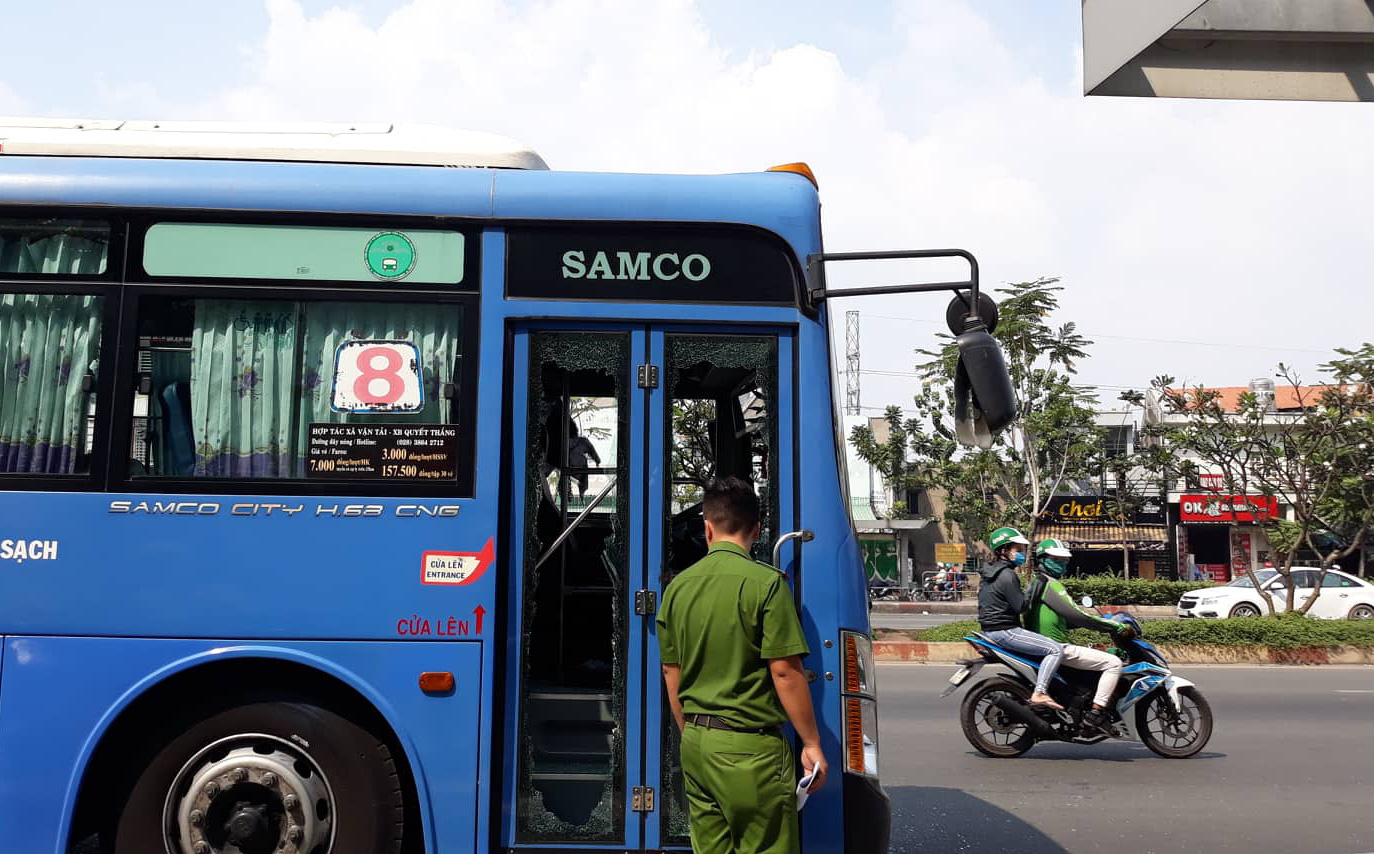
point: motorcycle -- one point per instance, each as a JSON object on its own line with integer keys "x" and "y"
{"x": 1167, "y": 713}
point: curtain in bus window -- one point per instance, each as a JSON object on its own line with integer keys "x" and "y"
{"x": 433, "y": 329}
{"x": 52, "y": 249}
{"x": 48, "y": 342}
{"x": 243, "y": 368}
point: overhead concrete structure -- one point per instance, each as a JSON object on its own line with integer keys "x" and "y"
{"x": 1295, "y": 50}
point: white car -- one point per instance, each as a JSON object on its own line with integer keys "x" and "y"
{"x": 1343, "y": 596}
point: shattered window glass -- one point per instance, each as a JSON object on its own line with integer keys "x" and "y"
{"x": 573, "y": 685}
{"x": 720, "y": 408}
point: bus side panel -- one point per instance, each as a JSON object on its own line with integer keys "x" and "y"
{"x": 833, "y": 592}
{"x": 60, "y": 694}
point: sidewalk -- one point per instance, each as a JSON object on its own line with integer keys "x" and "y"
{"x": 969, "y": 607}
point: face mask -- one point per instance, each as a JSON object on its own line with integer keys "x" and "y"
{"x": 1054, "y": 568}
{"x": 1019, "y": 558}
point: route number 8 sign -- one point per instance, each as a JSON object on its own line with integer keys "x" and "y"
{"x": 377, "y": 376}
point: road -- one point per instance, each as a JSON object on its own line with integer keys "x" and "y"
{"x": 925, "y": 621}
{"x": 1290, "y": 768}
{"x": 914, "y": 621}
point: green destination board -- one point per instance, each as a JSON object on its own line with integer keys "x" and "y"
{"x": 224, "y": 251}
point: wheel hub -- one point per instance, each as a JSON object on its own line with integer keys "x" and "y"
{"x": 249, "y": 829}
{"x": 998, "y": 720}
{"x": 249, "y": 794}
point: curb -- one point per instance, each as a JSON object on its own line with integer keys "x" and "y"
{"x": 949, "y": 652}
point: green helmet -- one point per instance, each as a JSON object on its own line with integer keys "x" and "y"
{"x": 1053, "y": 557}
{"x": 1052, "y": 547}
{"x": 1005, "y": 537}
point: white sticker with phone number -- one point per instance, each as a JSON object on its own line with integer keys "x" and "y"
{"x": 377, "y": 376}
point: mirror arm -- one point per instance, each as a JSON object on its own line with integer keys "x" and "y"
{"x": 818, "y": 293}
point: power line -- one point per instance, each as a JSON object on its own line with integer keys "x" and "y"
{"x": 1137, "y": 338}
{"x": 914, "y": 374}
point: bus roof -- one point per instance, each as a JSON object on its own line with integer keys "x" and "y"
{"x": 783, "y": 203}
{"x": 412, "y": 145}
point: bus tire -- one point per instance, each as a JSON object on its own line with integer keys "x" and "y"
{"x": 263, "y": 774}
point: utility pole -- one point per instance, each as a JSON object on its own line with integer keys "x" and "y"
{"x": 851, "y": 369}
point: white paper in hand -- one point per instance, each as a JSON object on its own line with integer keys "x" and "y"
{"x": 802, "y": 785}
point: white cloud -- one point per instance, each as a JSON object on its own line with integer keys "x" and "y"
{"x": 1238, "y": 223}
{"x": 10, "y": 102}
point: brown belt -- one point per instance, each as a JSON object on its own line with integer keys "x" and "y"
{"x": 715, "y": 722}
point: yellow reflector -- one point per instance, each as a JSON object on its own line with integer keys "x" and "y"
{"x": 799, "y": 169}
{"x": 441, "y": 682}
{"x": 854, "y": 735}
{"x": 851, "y": 664}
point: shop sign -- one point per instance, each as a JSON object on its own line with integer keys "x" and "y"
{"x": 880, "y": 559}
{"x": 1096, "y": 508}
{"x": 1077, "y": 508}
{"x": 1150, "y": 511}
{"x": 950, "y": 553}
{"x": 1227, "y": 508}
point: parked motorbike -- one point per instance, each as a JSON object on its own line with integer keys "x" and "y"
{"x": 1167, "y": 713}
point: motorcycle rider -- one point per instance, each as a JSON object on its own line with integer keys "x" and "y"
{"x": 1050, "y": 612}
{"x": 1000, "y": 601}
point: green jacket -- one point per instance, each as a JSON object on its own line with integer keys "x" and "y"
{"x": 1051, "y": 612}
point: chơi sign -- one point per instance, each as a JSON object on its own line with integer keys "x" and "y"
{"x": 1145, "y": 510}
{"x": 1076, "y": 508}
{"x": 1227, "y": 508}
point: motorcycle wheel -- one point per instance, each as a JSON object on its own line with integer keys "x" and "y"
{"x": 987, "y": 727}
{"x": 1175, "y": 738}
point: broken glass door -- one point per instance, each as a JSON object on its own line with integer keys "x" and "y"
{"x": 570, "y": 779}
{"x": 719, "y": 415}
{"x": 609, "y": 460}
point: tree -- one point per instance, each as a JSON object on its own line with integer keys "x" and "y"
{"x": 1053, "y": 440}
{"x": 694, "y": 454}
{"x": 1131, "y": 477}
{"x": 1318, "y": 457}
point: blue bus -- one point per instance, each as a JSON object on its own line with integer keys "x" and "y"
{"x": 340, "y": 486}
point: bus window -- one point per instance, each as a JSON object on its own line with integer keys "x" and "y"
{"x": 291, "y": 389}
{"x": 49, "y": 348}
{"x": 718, "y": 405}
{"x": 575, "y": 631}
{"x": 53, "y": 247}
{"x": 720, "y": 388}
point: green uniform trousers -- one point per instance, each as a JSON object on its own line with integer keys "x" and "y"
{"x": 741, "y": 792}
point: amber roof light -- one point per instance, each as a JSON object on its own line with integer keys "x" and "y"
{"x": 798, "y": 169}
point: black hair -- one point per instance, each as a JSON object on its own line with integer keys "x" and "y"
{"x": 731, "y": 505}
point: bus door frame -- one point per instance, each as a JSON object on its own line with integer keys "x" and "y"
{"x": 647, "y": 482}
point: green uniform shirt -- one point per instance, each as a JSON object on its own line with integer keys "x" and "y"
{"x": 721, "y": 620}
{"x": 1050, "y": 611}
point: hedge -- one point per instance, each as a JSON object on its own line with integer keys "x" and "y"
{"x": 1109, "y": 590}
{"x": 1284, "y": 631}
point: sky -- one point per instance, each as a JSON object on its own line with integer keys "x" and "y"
{"x": 1206, "y": 240}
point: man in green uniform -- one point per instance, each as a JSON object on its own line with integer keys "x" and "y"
{"x": 1051, "y": 612}
{"x": 731, "y": 646}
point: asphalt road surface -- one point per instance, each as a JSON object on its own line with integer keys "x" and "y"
{"x": 1290, "y": 768}
{"x": 925, "y": 621}
{"x": 914, "y": 621}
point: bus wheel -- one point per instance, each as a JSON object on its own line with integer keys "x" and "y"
{"x": 265, "y": 778}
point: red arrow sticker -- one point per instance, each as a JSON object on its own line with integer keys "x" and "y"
{"x": 457, "y": 568}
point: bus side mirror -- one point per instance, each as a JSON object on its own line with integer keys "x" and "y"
{"x": 984, "y": 401}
